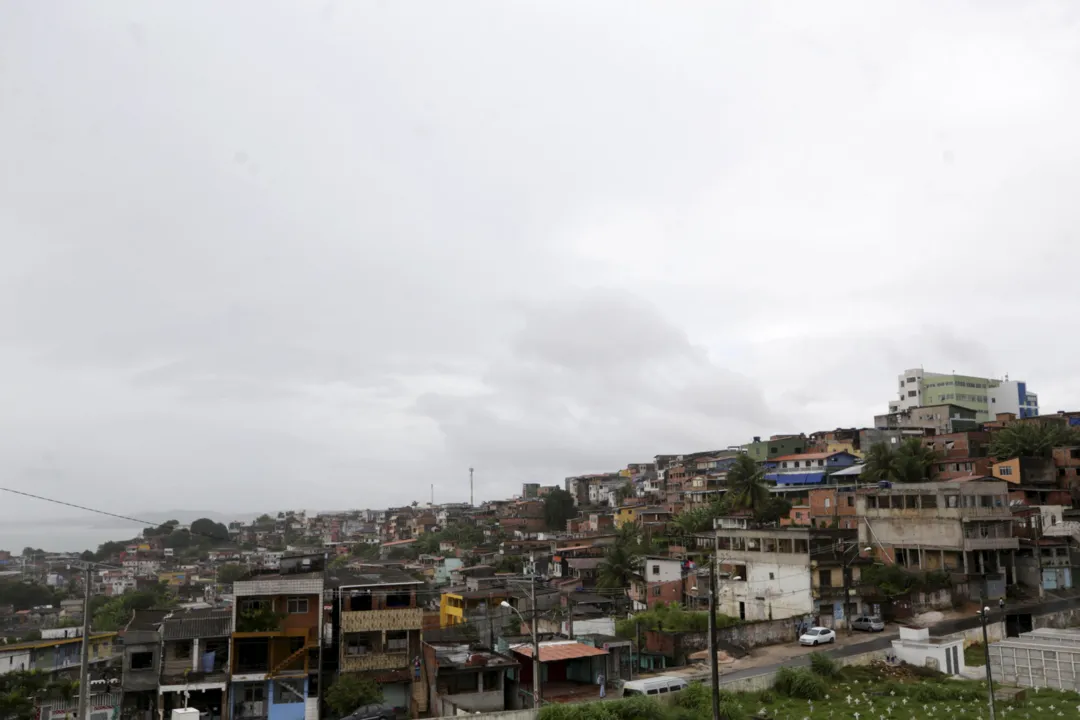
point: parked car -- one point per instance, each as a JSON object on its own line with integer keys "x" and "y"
{"x": 372, "y": 712}
{"x": 817, "y": 636}
{"x": 869, "y": 623}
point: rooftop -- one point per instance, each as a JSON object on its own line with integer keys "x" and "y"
{"x": 809, "y": 456}
{"x": 200, "y": 623}
{"x": 370, "y": 577}
{"x": 556, "y": 651}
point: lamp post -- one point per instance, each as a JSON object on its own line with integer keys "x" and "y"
{"x": 845, "y": 571}
{"x": 984, "y": 616}
{"x": 536, "y": 648}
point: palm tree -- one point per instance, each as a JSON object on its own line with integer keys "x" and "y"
{"x": 881, "y": 463}
{"x": 746, "y": 485}
{"x": 693, "y": 521}
{"x": 618, "y": 566}
{"x": 916, "y": 462}
{"x": 1031, "y": 439}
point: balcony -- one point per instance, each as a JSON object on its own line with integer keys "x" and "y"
{"x": 991, "y": 543}
{"x": 393, "y": 619}
{"x": 375, "y": 661}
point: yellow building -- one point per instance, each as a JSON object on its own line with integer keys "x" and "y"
{"x": 1007, "y": 470}
{"x": 173, "y": 579}
{"x": 456, "y": 607}
{"x": 847, "y": 446}
{"x": 628, "y": 514}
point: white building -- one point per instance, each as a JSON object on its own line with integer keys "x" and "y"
{"x": 986, "y": 396}
{"x": 773, "y": 571}
{"x": 916, "y": 647}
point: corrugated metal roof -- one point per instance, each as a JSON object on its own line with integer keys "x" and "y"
{"x": 560, "y": 651}
{"x": 197, "y": 624}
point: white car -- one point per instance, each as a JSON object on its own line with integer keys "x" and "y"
{"x": 817, "y": 636}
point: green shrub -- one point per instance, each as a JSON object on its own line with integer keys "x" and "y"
{"x": 800, "y": 683}
{"x": 766, "y": 697}
{"x": 823, "y": 665}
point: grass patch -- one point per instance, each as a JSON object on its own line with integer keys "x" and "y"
{"x": 975, "y": 654}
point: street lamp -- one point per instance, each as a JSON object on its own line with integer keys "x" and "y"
{"x": 984, "y": 616}
{"x": 714, "y": 669}
{"x": 536, "y": 648}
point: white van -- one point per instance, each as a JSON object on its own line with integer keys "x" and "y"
{"x": 654, "y": 686}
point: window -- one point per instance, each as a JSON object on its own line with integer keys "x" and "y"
{"x": 297, "y": 606}
{"x": 397, "y": 641}
{"x": 820, "y": 463}
{"x": 253, "y": 693}
{"x": 771, "y": 576}
{"x": 911, "y": 393}
{"x": 871, "y": 502}
{"x": 655, "y": 569}
{"x": 656, "y": 591}
{"x": 851, "y": 501}
{"x": 825, "y": 578}
{"x": 1005, "y": 470}
{"x": 142, "y": 661}
{"x": 828, "y": 502}
{"x": 182, "y": 650}
{"x": 252, "y": 605}
{"x": 357, "y": 644}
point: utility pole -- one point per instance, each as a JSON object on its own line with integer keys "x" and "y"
{"x": 84, "y": 654}
{"x": 536, "y": 640}
{"x": 714, "y": 671}
{"x": 570, "y": 616}
{"x": 471, "y": 504}
{"x": 983, "y": 613}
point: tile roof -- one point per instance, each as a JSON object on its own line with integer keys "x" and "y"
{"x": 191, "y": 624}
{"x": 560, "y": 651}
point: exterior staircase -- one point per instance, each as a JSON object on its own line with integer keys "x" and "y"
{"x": 281, "y": 666}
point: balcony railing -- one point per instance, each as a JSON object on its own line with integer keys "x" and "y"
{"x": 375, "y": 661}
{"x": 991, "y": 543}
{"x": 391, "y": 619}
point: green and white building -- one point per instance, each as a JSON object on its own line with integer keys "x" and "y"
{"x": 986, "y": 396}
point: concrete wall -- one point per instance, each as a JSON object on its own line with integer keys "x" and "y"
{"x": 782, "y": 580}
{"x": 471, "y": 703}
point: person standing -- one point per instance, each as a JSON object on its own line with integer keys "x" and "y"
{"x": 600, "y": 682}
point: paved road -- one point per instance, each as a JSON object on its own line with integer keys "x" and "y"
{"x": 883, "y": 641}
{"x": 871, "y": 644}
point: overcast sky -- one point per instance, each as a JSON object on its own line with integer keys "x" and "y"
{"x": 260, "y": 255}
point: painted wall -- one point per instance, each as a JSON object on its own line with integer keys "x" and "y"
{"x": 279, "y": 710}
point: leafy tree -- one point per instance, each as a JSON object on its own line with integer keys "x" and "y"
{"x": 558, "y": 508}
{"x": 915, "y": 461}
{"x": 365, "y": 551}
{"x": 87, "y": 556}
{"x": 264, "y": 521}
{"x": 230, "y": 573}
{"x": 623, "y": 492}
{"x": 26, "y": 595}
{"x": 117, "y": 611}
{"x": 31, "y": 636}
{"x": 510, "y": 564}
{"x": 341, "y": 561}
{"x": 1032, "y": 439}
{"x": 746, "y": 485}
{"x": 177, "y": 539}
{"x": 107, "y": 550}
{"x": 775, "y": 509}
{"x": 207, "y": 528}
{"x": 350, "y": 692}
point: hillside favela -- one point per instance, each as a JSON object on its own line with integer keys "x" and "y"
{"x": 917, "y": 564}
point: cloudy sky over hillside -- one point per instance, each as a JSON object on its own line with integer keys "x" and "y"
{"x": 267, "y": 254}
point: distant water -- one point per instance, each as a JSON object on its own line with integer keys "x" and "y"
{"x": 61, "y": 537}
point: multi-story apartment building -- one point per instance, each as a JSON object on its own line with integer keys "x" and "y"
{"x": 195, "y": 663}
{"x": 275, "y": 640}
{"x": 776, "y": 446}
{"x": 380, "y": 633}
{"x": 806, "y": 468}
{"x": 986, "y": 396}
{"x": 768, "y": 572}
{"x": 963, "y": 528}
{"x": 947, "y": 418}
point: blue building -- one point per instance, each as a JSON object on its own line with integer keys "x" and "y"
{"x": 806, "y": 468}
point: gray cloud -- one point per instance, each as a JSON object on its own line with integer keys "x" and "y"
{"x": 361, "y": 247}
